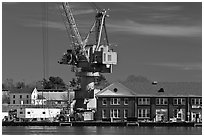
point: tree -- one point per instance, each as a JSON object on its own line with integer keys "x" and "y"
{"x": 8, "y": 84}
{"x": 20, "y": 85}
{"x": 54, "y": 83}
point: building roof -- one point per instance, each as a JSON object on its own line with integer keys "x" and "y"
{"x": 163, "y": 89}
{"x": 169, "y": 89}
{"x": 116, "y": 89}
{"x": 60, "y": 96}
{"x": 51, "y": 90}
{"x": 22, "y": 91}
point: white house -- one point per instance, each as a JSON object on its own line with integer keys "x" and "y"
{"x": 37, "y": 99}
{"x": 34, "y": 96}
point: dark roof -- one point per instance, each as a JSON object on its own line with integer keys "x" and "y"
{"x": 22, "y": 90}
{"x": 169, "y": 88}
{"x": 51, "y": 90}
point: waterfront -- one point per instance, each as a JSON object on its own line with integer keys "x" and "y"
{"x": 94, "y": 130}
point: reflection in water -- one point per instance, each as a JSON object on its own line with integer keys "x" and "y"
{"x": 93, "y": 130}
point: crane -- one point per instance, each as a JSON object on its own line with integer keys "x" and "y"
{"x": 88, "y": 60}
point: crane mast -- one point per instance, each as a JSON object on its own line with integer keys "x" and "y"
{"x": 89, "y": 60}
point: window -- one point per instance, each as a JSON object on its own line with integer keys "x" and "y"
{"x": 125, "y": 113}
{"x": 14, "y": 102}
{"x": 115, "y": 113}
{"x": 143, "y": 113}
{"x": 104, "y": 57}
{"x": 21, "y": 112}
{"x": 109, "y": 57}
{"x": 143, "y": 101}
{"x": 28, "y": 112}
{"x": 125, "y": 101}
{"x": 161, "y": 101}
{"x": 20, "y": 96}
{"x": 196, "y": 101}
{"x": 115, "y": 101}
{"x": 28, "y": 96}
{"x": 27, "y": 101}
{"x": 104, "y": 101}
{"x": 14, "y": 96}
{"x": 43, "y": 112}
{"x": 179, "y": 101}
{"x": 103, "y": 113}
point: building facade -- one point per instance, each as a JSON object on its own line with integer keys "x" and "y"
{"x": 118, "y": 102}
{"x": 20, "y": 96}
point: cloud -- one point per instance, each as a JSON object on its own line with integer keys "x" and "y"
{"x": 181, "y": 66}
{"x": 130, "y": 26}
{"x": 51, "y": 24}
{"x": 81, "y": 12}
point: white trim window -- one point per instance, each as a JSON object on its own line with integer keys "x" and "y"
{"x": 179, "y": 101}
{"x": 143, "y": 113}
{"x": 115, "y": 113}
{"x": 125, "y": 113}
{"x": 104, "y": 101}
{"x": 125, "y": 101}
{"x": 196, "y": 101}
{"x": 103, "y": 113}
{"x": 161, "y": 101}
{"x": 143, "y": 101}
{"x": 115, "y": 101}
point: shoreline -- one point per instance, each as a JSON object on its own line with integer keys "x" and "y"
{"x": 103, "y": 123}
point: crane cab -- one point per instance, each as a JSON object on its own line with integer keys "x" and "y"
{"x": 101, "y": 56}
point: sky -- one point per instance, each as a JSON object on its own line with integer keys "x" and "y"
{"x": 158, "y": 40}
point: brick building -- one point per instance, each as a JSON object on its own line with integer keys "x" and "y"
{"x": 148, "y": 102}
{"x": 20, "y": 96}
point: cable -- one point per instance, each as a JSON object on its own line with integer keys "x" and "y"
{"x": 45, "y": 42}
{"x": 64, "y": 21}
{"x": 94, "y": 6}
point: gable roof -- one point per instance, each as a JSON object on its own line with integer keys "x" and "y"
{"x": 21, "y": 91}
{"x": 51, "y": 90}
{"x": 60, "y": 96}
{"x": 170, "y": 89}
{"x": 116, "y": 89}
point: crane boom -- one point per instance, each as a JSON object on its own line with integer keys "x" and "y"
{"x": 77, "y": 42}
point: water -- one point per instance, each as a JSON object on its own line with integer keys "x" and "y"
{"x": 93, "y": 130}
